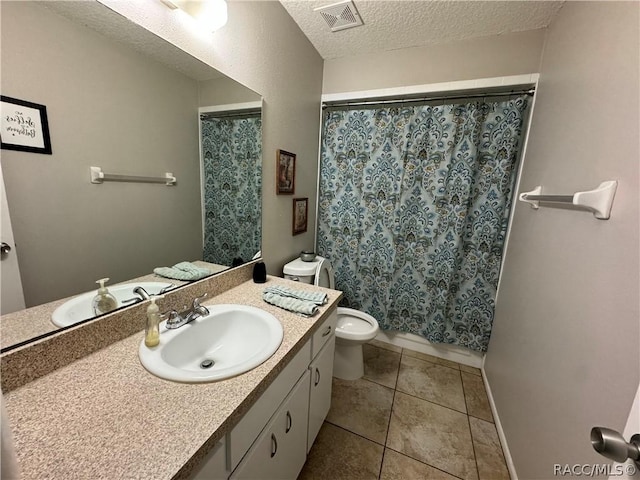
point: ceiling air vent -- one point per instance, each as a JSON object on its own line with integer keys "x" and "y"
{"x": 340, "y": 16}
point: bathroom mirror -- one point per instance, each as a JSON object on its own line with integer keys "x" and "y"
{"x": 122, "y": 99}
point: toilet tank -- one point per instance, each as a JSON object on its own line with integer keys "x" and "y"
{"x": 300, "y": 271}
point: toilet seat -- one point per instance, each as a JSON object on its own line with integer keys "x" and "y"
{"x": 355, "y": 325}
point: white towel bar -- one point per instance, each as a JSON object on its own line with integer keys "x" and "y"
{"x": 598, "y": 200}
{"x": 98, "y": 176}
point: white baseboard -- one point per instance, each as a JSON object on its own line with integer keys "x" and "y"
{"x": 419, "y": 344}
{"x": 503, "y": 439}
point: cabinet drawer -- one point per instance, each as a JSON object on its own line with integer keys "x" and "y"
{"x": 280, "y": 450}
{"x": 250, "y": 426}
{"x": 324, "y": 333}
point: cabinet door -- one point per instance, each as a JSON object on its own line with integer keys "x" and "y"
{"x": 243, "y": 435}
{"x": 280, "y": 450}
{"x": 321, "y": 370}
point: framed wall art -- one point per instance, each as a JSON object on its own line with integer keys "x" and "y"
{"x": 286, "y": 172}
{"x": 24, "y": 126}
{"x": 300, "y": 211}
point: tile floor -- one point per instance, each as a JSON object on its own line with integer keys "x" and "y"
{"x": 412, "y": 416}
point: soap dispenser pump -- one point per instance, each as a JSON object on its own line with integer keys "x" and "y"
{"x": 103, "y": 302}
{"x": 152, "y": 332}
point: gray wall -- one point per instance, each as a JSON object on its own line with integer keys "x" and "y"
{"x": 564, "y": 354}
{"x": 263, "y": 48}
{"x": 107, "y": 107}
{"x": 223, "y": 91}
{"x": 510, "y": 54}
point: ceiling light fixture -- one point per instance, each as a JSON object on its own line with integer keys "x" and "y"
{"x": 209, "y": 14}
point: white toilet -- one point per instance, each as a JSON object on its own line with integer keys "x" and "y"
{"x": 354, "y": 327}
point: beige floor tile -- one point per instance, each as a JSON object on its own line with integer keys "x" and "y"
{"x": 385, "y": 345}
{"x": 380, "y": 365}
{"x": 432, "y": 434}
{"x": 468, "y": 369}
{"x": 341, "y": 455}
{"x": 396, "y": 466}
{"x": 436, "y": 383}
{"x": 362, "y": 407}
{"x": 476, "y": 397}
{"x": 430, "y": 358}
{"x": 489, "y": 456}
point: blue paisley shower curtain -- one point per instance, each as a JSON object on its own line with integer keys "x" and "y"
{"x": 413, "y": 210}
{"x": 232, "y": 171}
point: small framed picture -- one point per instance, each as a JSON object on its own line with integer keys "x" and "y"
{"x": 24, "y": 126}
{"x": 300, "y": 211}
{"x": 286, "y": 172}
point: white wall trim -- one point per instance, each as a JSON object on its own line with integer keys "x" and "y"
{"x": 496, "y": 420}
{"x": 317, "y": 223}
{"x": 201, "y": 166}
{"x": 231, "y": 107}
{"x": 516, "y": 187}
{"x": 462, "y": 85}
{"x": 419, "y": 344}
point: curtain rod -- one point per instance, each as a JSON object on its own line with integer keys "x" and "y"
{"x": 455, "y": 96}
{"x": 235, "y": 114}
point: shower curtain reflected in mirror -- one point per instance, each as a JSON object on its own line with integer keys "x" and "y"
{"x": 232, "y": 187}
{"x": 414, "y": 204}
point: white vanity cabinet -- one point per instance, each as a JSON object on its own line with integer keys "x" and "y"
{"x": 272, "y": 439}
{"x": 321, "y": 370}
{"x": 280, "y": 450}
{"x": 214, "y": 466}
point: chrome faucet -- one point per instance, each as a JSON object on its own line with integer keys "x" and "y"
{"x": 177, "y": 320}
{"x": 143, "y": 295}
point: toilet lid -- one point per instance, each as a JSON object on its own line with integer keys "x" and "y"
{"x": 324, "y": 274}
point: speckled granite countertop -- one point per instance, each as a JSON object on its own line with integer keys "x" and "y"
{"x": 105, "y": 416}
{"x": 29, "y": 323}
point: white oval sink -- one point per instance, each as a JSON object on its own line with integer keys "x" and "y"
{"x": 80, "y": 308}
{"x": 236, "y": 338}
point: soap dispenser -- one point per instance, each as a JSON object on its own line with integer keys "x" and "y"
{"x": 103, "y": 302}
{"x": 152, "y": 332}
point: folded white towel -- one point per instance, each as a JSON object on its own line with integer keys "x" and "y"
{"x": 183, "y": 271}
{"x": 296, "y": 305}
{"x": 319, "y": 298}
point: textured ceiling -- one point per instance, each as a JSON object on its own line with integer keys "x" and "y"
{"x": 394, "y": 24}
{"x": 116, "y": 27}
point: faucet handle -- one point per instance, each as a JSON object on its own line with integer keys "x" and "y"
{"x": 167, "y": 288}
{"x": 173, "y": 318}
{"x": 132, "y": 300}
{"x": 197, "y": 300}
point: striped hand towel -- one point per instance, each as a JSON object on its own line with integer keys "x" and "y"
{"x": 288, "y": 303}
{"x": 183, "y": 271}
{"x": 319, "y": 298}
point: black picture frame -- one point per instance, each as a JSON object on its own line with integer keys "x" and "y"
{"x": 24, "y": 126}
{"x": 285, "y": 172}
{"x": 300, "y": 215}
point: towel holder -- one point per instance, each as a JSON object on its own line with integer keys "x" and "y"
{"x": 598, "y": 201}
{"x": 98, "y": 176}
